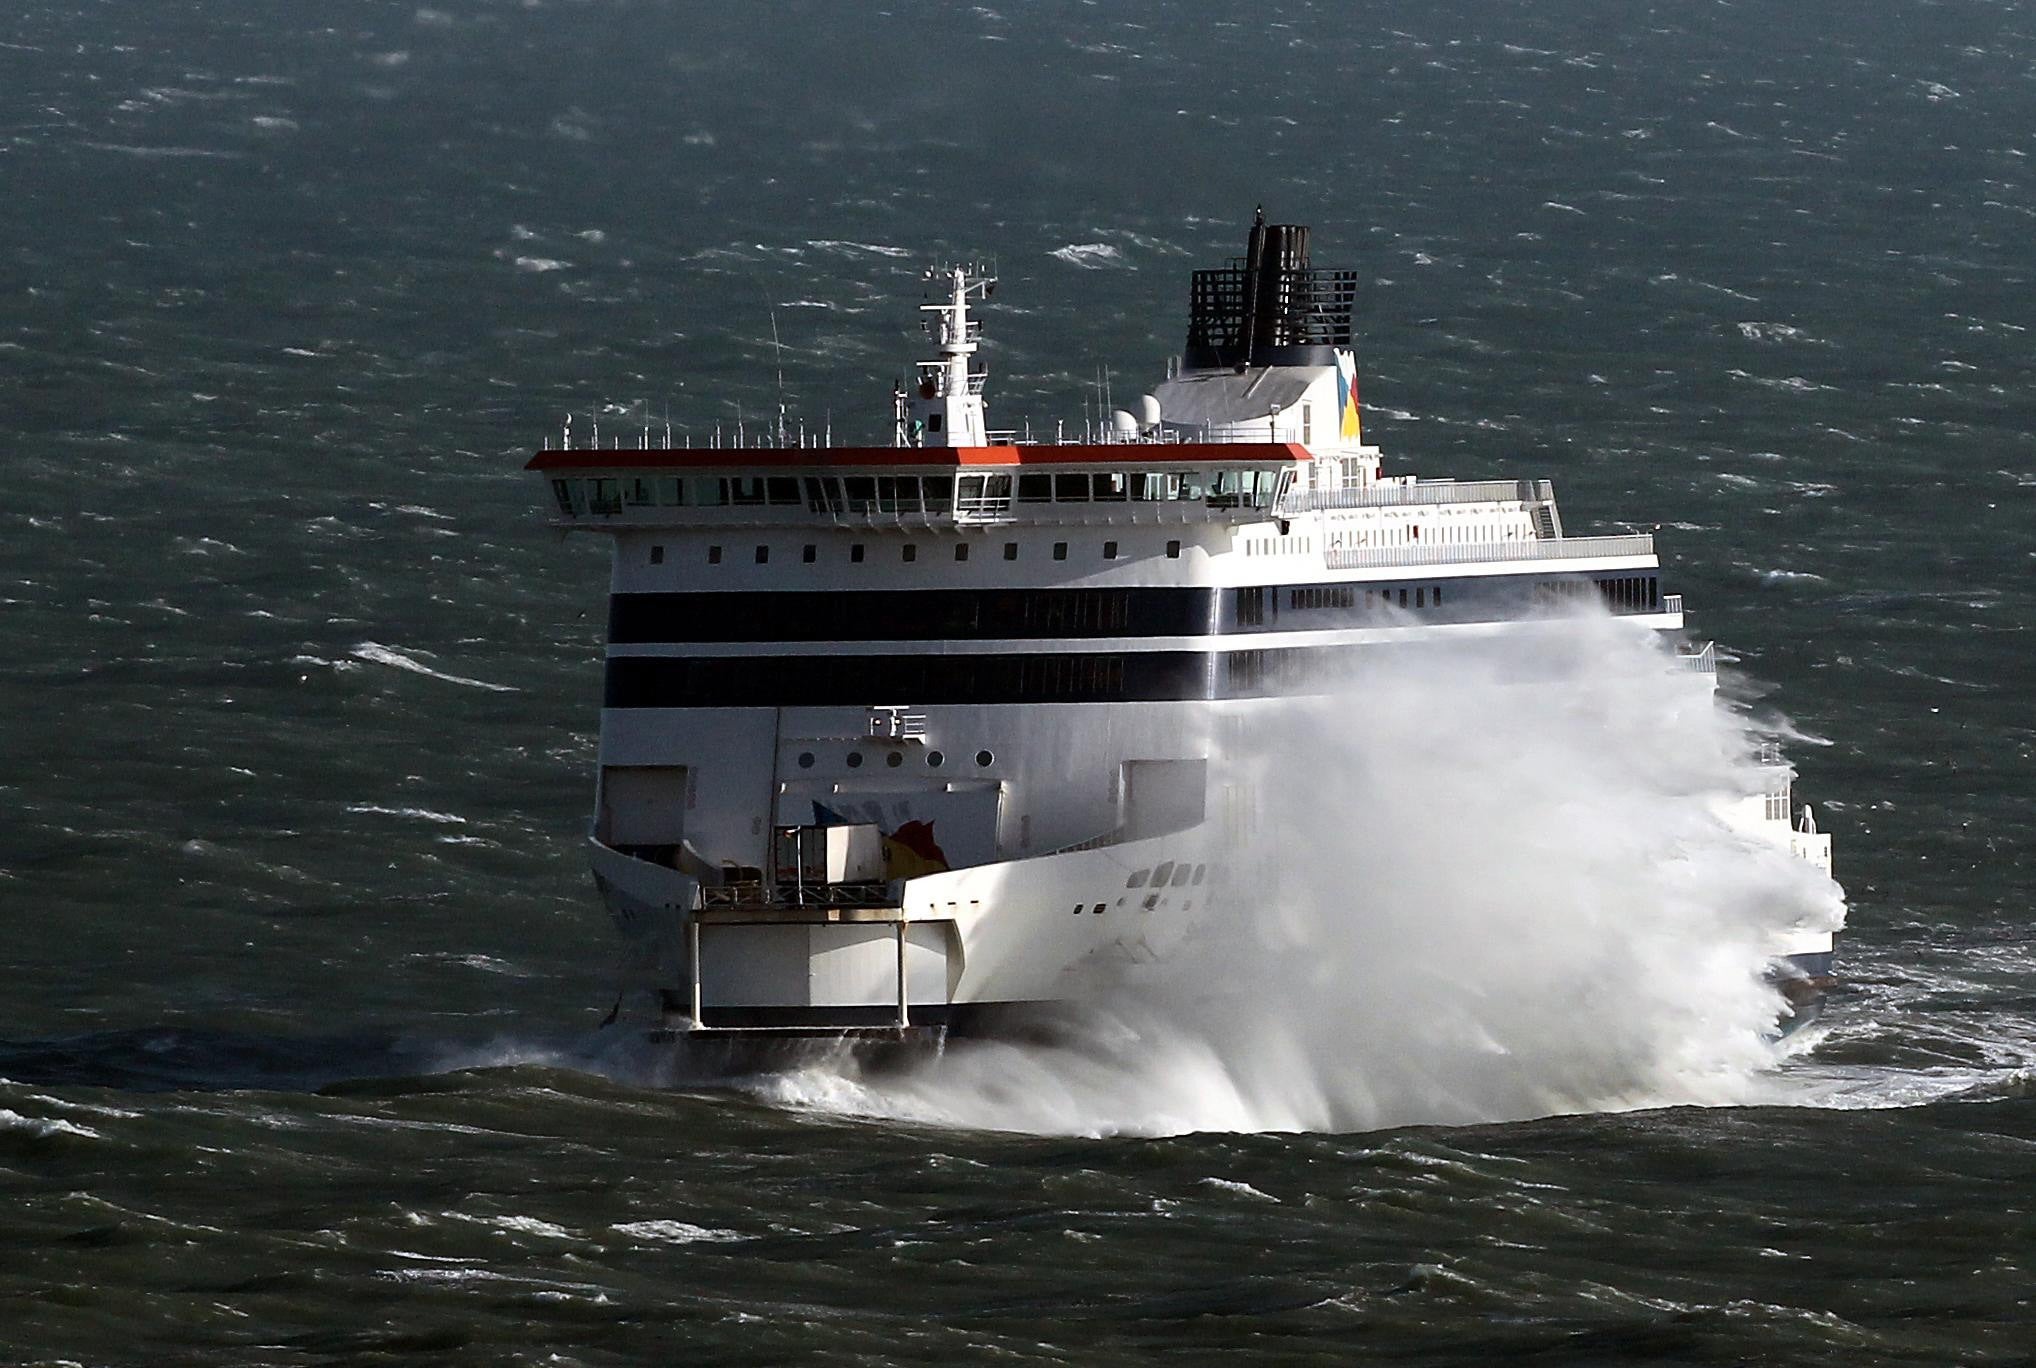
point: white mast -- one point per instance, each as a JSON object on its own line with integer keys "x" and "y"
{"x": 946, "y": 409}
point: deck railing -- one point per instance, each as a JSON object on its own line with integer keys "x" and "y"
{"x": 1549, "y": 548}
{"x": 1421, "y": 492}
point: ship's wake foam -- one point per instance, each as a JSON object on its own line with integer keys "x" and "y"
{"x": 1500, "y": 888}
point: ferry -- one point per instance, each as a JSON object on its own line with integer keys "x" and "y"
{"x": 931, "y": 736}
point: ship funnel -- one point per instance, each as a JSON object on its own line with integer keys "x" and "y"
{"x": 1148, "y": 413}
{"x": 1269, "y": 307}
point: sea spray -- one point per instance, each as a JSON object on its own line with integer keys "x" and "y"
{"x": 1481, "y": 881}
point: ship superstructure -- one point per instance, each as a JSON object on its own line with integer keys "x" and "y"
{"x": 921, "y": 735}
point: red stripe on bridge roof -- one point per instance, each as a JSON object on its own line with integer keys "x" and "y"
{"x": 1117, "y": 455}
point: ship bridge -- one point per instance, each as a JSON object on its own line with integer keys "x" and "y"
{"x": 922, "y": 487}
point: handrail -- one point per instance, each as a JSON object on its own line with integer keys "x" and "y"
{"x": 1539, "y": 548}
{"x": 1421, "y": 492}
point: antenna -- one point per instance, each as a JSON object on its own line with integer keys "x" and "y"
{"x": 778, "y": 356}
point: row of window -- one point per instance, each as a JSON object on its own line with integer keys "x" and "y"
{"x": 937, "y": 495}
{"x": 791, "y": 615}
{"x": 919, "y": 615}
{"x": 895, "y": 759}
{"x": 1347, "y": 596}
{"x": 908, "y": 552}
{"x": 1065, "y": 677}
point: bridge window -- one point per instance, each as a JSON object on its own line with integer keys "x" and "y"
{"x": 1035, "y": 489}
{"x": 1110, "y": 488}
{"x": 1071, "y": 488}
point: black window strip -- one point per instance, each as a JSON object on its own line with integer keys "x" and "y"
{"x": 982, "y": 614}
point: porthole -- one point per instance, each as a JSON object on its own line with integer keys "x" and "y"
{"x": 895, "y": 759}
{"x": 855, "y": 759}
{"x": 983, "y": 759}
{"x": 805, "y": 759}
{"x": 934, "y": 759}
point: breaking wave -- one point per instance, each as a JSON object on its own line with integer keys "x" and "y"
{"x": 1496, "y": 885}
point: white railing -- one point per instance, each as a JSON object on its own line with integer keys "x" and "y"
{"x": 1672, "y": 603}
{"x": 1702, "y": 660}
{"x": 1421, "y": 492}
{"x": 1555, "y": 548}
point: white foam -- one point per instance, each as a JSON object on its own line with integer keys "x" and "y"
{"x": 674, "y": 1232}
{"x": 44, "y": 1126}
{"x": 1495, "y": 902}
{"x": 382, "y": 655}
{"x": 1090, "y": 256}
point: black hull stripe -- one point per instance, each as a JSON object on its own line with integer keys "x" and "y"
{"x": 1031, "y": 614}
{"x": 1040, "y": 677}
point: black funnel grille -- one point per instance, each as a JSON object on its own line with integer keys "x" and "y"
{"x": 1269, "y": 307}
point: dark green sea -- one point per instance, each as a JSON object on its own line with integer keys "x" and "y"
{"x": 303, "y": 970}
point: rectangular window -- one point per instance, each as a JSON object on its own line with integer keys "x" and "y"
{"x": 763, "y": 555}
{"x": 562, "y": 490}
{"x": 1173, "y": 550}
{"x": 860, "y": 492}
{"x": 1421, "y": 597}
{"x": 1035, "y": 489}
{"x": 1109, "y": 550}
{"x": 1060, "y": 550}
{"x": 809, "y": 553}
{"x": 713, "y": 555}
{"x": 1071, "y": 488}
{"x": 657, "y": 555}
{"x": 671, "y": 492}
{"x": 782, "y": 490}
{"x": 855, "y": 553}
{"x": 1010, "y": 550}
{"x": 637, "y": 493}
{"x": 911, "y": 553}
{"x": 938, "y": 493}
{"x": 961, "y": 551}
{"x": 1110, "y": 488}
{"x": 933, "y": 421}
